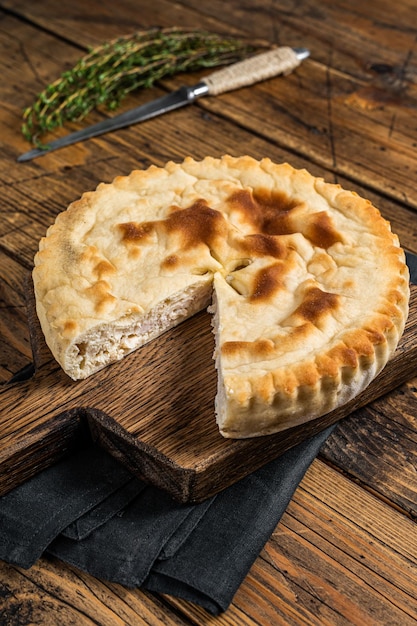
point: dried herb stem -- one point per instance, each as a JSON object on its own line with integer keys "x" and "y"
{"x": 109, "y": 72}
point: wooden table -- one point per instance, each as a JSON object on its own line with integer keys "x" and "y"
{"x": 345, "y": 551}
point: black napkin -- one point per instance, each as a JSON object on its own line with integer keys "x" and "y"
{"x": 32, "y": 515}
{"x": 412, "y": 266}
{"x": 89, "y": 511}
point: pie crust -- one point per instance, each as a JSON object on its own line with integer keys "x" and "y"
{"x": 308, "y": 286}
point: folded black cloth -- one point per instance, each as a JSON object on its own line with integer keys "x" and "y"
{"x": 89, "y": 511}
{"x": 411, "y": 259}
{"x": 32, "y": 515}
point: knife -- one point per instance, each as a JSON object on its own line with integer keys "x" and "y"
{"x": 247, "y": 72}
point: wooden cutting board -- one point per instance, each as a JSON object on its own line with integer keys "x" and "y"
{"x": 154, "y": 412}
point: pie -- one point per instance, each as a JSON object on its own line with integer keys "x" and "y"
{"x": 307, "y": 285}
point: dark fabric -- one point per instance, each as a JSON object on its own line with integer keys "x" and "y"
{"x": 32, "y": 515}
{"x": 90, "y": 512}
{"x": 131, "y": 541}
{"x": 82, "y": 527}
{"x": 215, "y": 559}
{"x": 412, "y": 266}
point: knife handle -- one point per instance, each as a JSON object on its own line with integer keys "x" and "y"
{"x": 249, "y": 71}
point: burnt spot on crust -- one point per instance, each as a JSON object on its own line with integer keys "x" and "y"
{"x": 260, "y": 348}
{"x": 196, "y": 224}
{"x": 170, "y": 262}
{"x": 344, "y": 355}
{"x": 100, "y": 266}
{"x": 70, "y": 327}
{"x": 315, "y": 305}
{"x": 103, "y": 268}
{"x": 266, "y": 211}
{"x": 99, "y": 292}
{"x": 276, "y": 210}
{"x": 273, "y": 213}
{"x": 267, "y": 282}
{"x": 260, "y": 245}
{"x": 134, "y": 232}
{"x": 319, "y": 229}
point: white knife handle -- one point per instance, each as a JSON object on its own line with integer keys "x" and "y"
{"x": 249, "y": 71}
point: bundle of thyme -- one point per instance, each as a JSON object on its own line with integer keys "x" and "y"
{"x": 108, "y": 72}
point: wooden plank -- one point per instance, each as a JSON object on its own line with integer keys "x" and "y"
{"x": 15, "y": 350}
{"x": 352, "y": 36}
{"x": 173, "y": 444}
{"x": 45, "y": 186}
{"x": 357, "y": 122}
{"x": 365, "y": 538}
{"x": 41, "y": 199}
{"x": 88, "y": 25}
{"x": 52, "y": 593}
{"x": 377, "y": 445}
{"x": 339, "y": 143}
{"x": 348, "y": 38}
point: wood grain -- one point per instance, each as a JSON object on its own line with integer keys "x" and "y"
{"x": 154, "y": 411}
{"x": 87, "y": 601}
{"x": 15, "y": 350}
{"x": 377, "y": 445}
{"x": 346, "y": 541}
{"x": 345, "y": 551}
{"x": 357, "y": 122}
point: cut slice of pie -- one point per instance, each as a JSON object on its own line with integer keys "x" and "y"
{"x": 308, "y": 284}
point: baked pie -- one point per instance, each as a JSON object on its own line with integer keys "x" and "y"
{"x": 306, "y": 283}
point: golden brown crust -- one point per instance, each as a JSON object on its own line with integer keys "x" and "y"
{"x": 311, "y": 285}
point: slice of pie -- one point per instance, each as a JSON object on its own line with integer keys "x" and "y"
{"x": 308, "y": 285}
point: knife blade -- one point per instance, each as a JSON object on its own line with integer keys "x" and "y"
{"x": 247, "y": 72}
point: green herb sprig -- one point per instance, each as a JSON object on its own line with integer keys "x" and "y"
{"x": 109, "y": 72}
